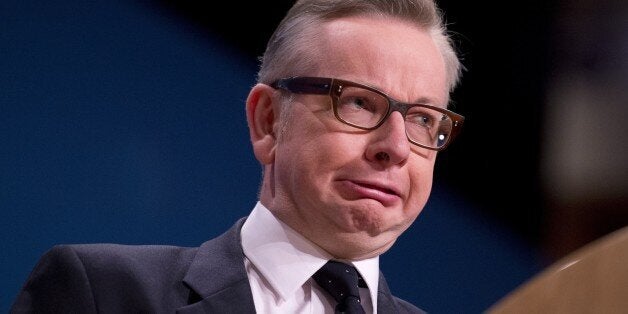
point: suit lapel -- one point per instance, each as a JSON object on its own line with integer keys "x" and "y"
{"x": 234, "y": 299}
{"x": 218, "y": 276}
{"x": 385, "y": 303}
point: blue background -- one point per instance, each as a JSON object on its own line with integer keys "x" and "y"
{"x": 119, "y": 123}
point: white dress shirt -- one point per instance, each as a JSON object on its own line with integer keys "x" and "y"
{"x": 279, "y": 263}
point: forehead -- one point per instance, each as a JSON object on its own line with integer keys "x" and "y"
{"x": 392, "y": 55}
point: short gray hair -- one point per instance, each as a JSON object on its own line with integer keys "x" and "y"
{"x": 287, "y": 49}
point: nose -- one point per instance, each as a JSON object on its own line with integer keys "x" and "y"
{"x": 389, "y": 143}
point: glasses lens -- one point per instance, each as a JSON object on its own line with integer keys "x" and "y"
{"x": 428, "y": 126}
{"x": 361, "y": 107}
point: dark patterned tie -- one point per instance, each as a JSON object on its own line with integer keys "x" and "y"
{"x": 341, "y": 282}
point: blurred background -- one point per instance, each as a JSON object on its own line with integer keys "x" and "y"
{"x": 123, "y": 121}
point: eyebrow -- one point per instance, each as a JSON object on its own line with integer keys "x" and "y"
{"x": 423, "y": 101}
{"x": 420, "y": 100}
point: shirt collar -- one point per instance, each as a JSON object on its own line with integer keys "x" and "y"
{"x": 276, "y": 250}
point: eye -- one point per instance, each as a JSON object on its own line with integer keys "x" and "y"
{"x": 361, "y": 107}
{"x": 357, "y": 103}
{"x": 421, "y": 119}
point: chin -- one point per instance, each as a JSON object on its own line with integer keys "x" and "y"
{"x": 376, "y": 220}
{"x": 364, "y": 247}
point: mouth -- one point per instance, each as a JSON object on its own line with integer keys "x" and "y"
{"x": 385, "y": 194}
{"x": 380, "y": 188}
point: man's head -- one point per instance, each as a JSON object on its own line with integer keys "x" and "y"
{"x": 351, "y": 190}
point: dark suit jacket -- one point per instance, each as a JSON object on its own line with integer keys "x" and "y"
{"x": 110, "y": 278}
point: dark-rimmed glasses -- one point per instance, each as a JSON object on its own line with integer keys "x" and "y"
{"x": 367, "y": 108}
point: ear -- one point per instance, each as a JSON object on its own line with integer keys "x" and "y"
{"x": 261, "y": 117}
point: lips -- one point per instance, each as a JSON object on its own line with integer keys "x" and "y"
{"x": 360, "y": 189}
{"x": 381, "y": 188}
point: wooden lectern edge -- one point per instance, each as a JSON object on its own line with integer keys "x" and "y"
{"x": 616, "y": 240}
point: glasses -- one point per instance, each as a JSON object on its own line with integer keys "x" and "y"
{"x": 367, "y": 108}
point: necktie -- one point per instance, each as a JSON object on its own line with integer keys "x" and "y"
{"x": 341, "y": 282}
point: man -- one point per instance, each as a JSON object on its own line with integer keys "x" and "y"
{"x": 346, "y": 120}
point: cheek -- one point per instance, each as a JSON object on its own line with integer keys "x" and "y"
{"x": 307, "y": 151}
{"x": 420, "y": 185}
{"x": 324, "y": 154}
{"x": 319, "y": 144}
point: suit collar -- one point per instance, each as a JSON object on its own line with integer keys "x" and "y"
{"x": 385, "y": 302}
{"x": 217, "y": 275}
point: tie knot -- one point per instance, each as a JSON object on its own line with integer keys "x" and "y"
{"x": 340, "y": 280}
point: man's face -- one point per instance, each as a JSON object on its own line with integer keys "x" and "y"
{"x": 353, "y": 192}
